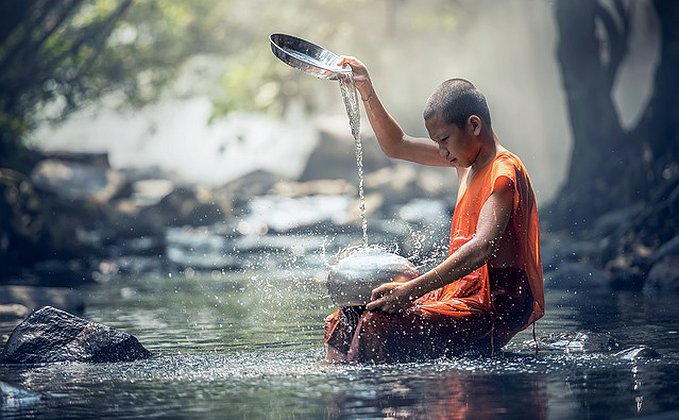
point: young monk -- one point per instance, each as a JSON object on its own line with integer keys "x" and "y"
{"x": 490, "y": 287}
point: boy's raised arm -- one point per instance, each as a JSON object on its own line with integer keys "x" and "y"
{"x": 394, "y": 142}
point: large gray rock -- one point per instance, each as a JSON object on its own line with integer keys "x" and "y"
{"x": 51, "y": 335}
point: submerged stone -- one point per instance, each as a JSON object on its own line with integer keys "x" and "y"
{"x": 579, "y": 342}
{"x": 51, "y": 335}
{"x": 638, "y": 352}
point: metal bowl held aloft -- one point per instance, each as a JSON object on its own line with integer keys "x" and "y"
{"x": 307, "y": 56}
{"x": 351, "y": 281}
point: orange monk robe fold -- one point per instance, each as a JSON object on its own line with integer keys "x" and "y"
{"x": 502, "y": 299}
{"x": 471, "y": 293}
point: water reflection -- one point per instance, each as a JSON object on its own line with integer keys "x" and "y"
{"x": 454, "y": 394}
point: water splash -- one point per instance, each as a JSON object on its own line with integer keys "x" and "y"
{"x": 350, "y": 97}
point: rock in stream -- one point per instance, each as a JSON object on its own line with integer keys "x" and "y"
{"x": 51, "y": 335}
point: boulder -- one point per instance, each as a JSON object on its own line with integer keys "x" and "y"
{"x": 51, "y": 335}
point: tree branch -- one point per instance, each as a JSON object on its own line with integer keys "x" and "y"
{"x": 618, "y": 37}
{"x": 21, "y": 45}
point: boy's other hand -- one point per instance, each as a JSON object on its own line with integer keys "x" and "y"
{"x": 390, "y": 298}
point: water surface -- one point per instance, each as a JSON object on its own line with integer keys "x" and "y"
{"x": 250, "y": 346}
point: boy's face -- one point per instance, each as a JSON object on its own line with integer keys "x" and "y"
{"x": 459, "y": 146}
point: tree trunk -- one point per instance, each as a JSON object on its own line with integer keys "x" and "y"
{"x": 658, "y": 129}
{"x": 605, "y": 160}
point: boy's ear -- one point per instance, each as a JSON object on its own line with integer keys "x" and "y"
{"x": 474, "y": 123}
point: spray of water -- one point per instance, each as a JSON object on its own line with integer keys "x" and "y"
{"x": 350, "y": 97}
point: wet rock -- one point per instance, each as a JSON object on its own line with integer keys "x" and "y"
{"x": 12, "y": 397}
{"x": 36, "y": 297}
{"x": 587, "y": 342}
{"x": 575, "y": 276}
{"x": 51, "y": 335}
{"x": 638, "y": 352}
{"x": 79, "y": 181}
{"x": 663, "y": 278}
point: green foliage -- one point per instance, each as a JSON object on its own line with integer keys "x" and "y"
{"x": 55, "y": 56}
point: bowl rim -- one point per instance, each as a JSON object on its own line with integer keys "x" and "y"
{"x": 320, "y": 64}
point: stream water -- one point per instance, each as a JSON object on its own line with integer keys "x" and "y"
{"x": 250, "y": 346}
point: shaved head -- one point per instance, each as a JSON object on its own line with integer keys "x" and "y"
{"x": 457, "y": 100}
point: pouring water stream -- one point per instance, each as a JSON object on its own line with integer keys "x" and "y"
{"x": 350, "y": 97}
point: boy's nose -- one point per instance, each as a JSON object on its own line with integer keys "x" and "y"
{"x": 443, "y": 152}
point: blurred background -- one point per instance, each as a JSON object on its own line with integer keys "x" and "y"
{"x": 163, "y": 173}
{"x": 120, "y": 120}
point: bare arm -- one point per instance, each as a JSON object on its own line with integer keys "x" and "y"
{"x": 493, "y": 220}
{"x": 395, "y": 143}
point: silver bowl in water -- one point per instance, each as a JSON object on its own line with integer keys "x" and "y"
{"x": 351, "y": 281}
{"x": 307, "y": 56}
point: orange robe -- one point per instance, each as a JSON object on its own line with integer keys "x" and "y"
{"x": 481, "y": 310}
{"x": 472, "y": 293}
